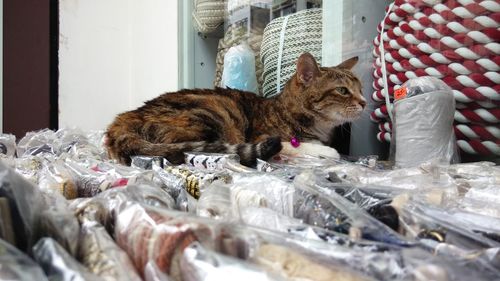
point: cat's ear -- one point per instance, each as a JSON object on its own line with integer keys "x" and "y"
{"x": 307, "y": 69}
{"x": 348, "y": 64}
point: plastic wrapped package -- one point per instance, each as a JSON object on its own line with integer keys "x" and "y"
{"x": 99, "y": 253}
{"x": 25, "y": 201}
{"x": 376, "y": 262}
{"x": 239, "y": 69}
{"x": 153, "y": 273}
{"x": 37, "y": 143}
{"x": 57, "y": 221}
{"x": 196, "y": 181}
{"x": 97, "y": 139}
{"x": 423, "y": 123}
{"x": 484, "y": 208}
{"x": 37, "y": 214}
{"x": 82, "y": 146}
{"x": 6, "y": 226}
{"x": 279, "y": 254}
{"x": 8, "y": 145}
{"x": 151, "y": 195}
{"x": 302, "y": 162}
{"x": 88, "y": 182}
{"x": 29, "y": 167}
{"x": 422, "y": 177}
{"x": 468, "y": 239}
{"x": 268, "y": 218}
{"x": 466, "y": 230}
{"x": 210, "y": 161}
{"x": 98, "y": 210}
{"x": 71, "y": 137}
{"x": 141, "y": 231}
{"x": 475, "y": 175}
{"x": 175, "y": 186}
{"x": 427, "y": 38}
{"x": 215, "y": 203}
{"x": 147, "y": 162}
{"x": 317, "y": 204}
{"x": 17, "y": 265}
{"x": 227, "y": 201}
{"x": 104, "y": 207}
{"x": 200, "y": 264}
{"x": 58, "y": 264}
{"x": 295, "y": 266}
{"x": 245, "y": 24}
{"x": 55, "y": 177}
{"x": 486, "y": 260}
{"x": 150, "y": 234}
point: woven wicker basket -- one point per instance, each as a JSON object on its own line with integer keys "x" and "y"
{"x": 208, "y": 15}
{"x": 285, "y": 39}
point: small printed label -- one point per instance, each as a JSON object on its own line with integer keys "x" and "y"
{"x": 400, "y": 93}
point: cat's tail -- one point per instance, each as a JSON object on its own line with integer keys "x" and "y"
{"x": 125, "y": 146}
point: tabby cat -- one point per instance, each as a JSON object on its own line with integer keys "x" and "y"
{"x": 313, "y": 101}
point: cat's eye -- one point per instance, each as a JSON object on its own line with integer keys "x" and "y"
{"x": 343, "y": 91}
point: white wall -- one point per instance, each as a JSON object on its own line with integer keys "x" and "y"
{"x": 114, "y": 55}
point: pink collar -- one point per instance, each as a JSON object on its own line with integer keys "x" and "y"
{"x": 295, "y": 142}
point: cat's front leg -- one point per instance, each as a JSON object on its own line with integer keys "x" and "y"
{"x": 312, "y": 148}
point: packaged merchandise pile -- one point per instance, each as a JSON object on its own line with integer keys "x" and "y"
{"x": 69, "y": 213}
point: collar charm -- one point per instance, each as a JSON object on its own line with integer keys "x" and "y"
{"x": 295, "y": 142}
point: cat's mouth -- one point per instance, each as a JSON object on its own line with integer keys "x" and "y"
{"x": 352, "y": 113}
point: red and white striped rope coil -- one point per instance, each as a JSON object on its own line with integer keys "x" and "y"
{"x": 456, "y": 41}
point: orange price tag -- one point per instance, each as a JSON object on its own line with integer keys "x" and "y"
{"x": 400, "y": 93}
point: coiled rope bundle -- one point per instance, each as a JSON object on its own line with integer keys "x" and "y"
{"x": 456, "y": 41}
{"x": 285, "y": 39}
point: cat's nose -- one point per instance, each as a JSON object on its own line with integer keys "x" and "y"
{"x": 362, "y": 103}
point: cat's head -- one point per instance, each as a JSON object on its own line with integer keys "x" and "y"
{"x": 333, "y": 93}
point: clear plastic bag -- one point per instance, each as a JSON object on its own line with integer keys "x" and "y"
{"x": 37, "y": 214}
{"x": 210, "y": 161}
{"x": 268, "y": 218}
{"x": 8, "y": 145}
{"x": 38, "y": 143}
{"x": 239, "y": 69}
{"x": 426, "y": 176}
{"x": 88, "y": 182}
{"x": 18, "y": 266}
{"x": 55, "y": 177}
{"x": 228, "y": 201}
{"x": 317, "y": 203}
{"x": 6, "y": 226}
{"x": 373, "y": 261}
{"x": 100, "y": 254}
{"x": 57, "y": 221}
{"x": 58, "y": 264}
{"x": 466, "y": 230}
{"x": 195, "y": 181}
{"x": 150, "y": 234}
{"x": 26, "y": 202}
{"x": 153, "y": 273}
{"x": 293, "y": 265}
{"x": 147, "y": 162}
{"x": 200, "y": 264}
{"x": 29, "y": 167}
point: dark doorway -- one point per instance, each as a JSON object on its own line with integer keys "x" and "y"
{"x": 30, "y": 47}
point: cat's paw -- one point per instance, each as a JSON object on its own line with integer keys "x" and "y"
{"x": 309, "y": 149}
